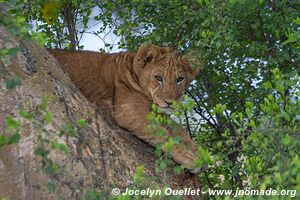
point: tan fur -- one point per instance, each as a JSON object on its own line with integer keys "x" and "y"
{"x": 126, "y": 84}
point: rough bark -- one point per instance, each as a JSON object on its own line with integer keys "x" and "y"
{"x": 101, "y": 157}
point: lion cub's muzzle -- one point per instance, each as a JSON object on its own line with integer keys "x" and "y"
{"x": 166, "y": 106}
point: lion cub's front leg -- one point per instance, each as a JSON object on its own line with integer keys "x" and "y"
{"x": 133, "y": 117}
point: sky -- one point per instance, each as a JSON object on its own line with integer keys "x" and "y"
{"x": 93, "y": 42}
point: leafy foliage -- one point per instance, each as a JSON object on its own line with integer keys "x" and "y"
{"x": 247, "y": 95}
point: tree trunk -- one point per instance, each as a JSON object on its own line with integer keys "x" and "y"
{"x": 101, "y": 156}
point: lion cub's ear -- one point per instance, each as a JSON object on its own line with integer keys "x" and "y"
{"x": 147, "y": 53}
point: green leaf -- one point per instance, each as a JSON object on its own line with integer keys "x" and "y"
{"x": 280, "y": 88}
{"x": 203, "y": 158}
{"x": 68, "y": 130}
{"x": 286, "y": 140}
{"x": 178, "y": 169}
{"x": 158, "y": 152}
{"x": 271, "y": 97}
{"x": 292, "y": 37}
{"x": 2, "y": 140}
{"x": 48, "y": 117}
{"x": 241, "y": 116}
{"x": 15, "y": 138}
{"x": 162, "y": 165}
{"x": 41, "y": 152}
{"x": 11, "y": 84}
{"x": 11, "y": 123}
{"x": 286, "y": 116}
{"x": 25, "y": 114}
{"x": 233, "y": 116}
{"x": 51, "y": 11}
{"x": 297, "y": 20}
{"x": 139, "y": 172}
{"x": 159, "y": 133}
{"x": 40, "y": 38}
{"x": 267, "y": 85}
{"x": 157, "y": 38}
{"x": 248, "y": 112}
{"x": 252, "y": 123}
{"x": 44, "y": 104}
{"x": 50, "y": 186}
{"x": 60, "y": 147}
{"x": 168, "y": 145}
{"x": 82, "y": 123}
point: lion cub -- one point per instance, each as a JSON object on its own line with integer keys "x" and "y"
{"x": 127, "y": 84}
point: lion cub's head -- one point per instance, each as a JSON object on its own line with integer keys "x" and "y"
{"x": 163, "y": 74}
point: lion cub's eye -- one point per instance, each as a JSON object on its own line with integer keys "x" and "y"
{"x": 158, "y": 78}
{"x": 180, "y": 79}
